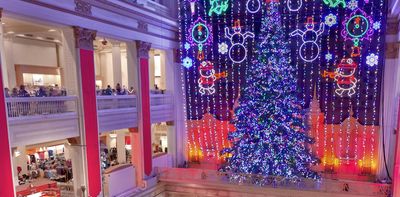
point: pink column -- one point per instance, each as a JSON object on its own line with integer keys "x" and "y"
{"x": 86, "y": 69}
{"x": 396, "y": 172}
{"x": 6, "y": 180}
{"x": 136, "y": 153}
{"x": 143, "y": 49}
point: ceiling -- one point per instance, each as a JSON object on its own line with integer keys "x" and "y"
{"x": 24, "y": 29}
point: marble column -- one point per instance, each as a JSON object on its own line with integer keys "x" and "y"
{"x": 144, "y": 121}
{"x": 6, "y": 180}
{"x": 396, "y": 170}
{"x": 391, "y": 75}
{"x": 132, "y": 67}
{"x": 3, "y": 48}
{"x": 116, "y": 63}
{"x": 137, "y": 155}
{"x": 172, "y": 142}
{"x": 87, "y": 83}
{"x": 68, "y": 63}
{"x": 20, "y": 160}
{"x": 75, "y": 152}
{"x": 121, "y": 152}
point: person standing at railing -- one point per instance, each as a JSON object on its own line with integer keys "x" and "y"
{"x": 108, "y": 91}
{"x": 41, "y": 92}
{"x": 41, "y": 104}
{"x": 24, "y": 107}
{"x": 14, "y": 92}
{"x": 22, "y": 92}
{"x": 119, "y": 90}
{"x": 6, "y": 92}
{"x": 131, "y": 91}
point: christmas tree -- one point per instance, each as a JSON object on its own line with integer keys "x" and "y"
{"x": 270, "y": 138}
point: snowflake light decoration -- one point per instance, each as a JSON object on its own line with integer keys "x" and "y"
{"x": 187, "y": 46}
{"x": 223, "y": 48}
{"x": 330, "y": 20}
{"x": 372, "y": 60}
{"x": 352, "y": 5}
{"x": 187, "y": 62}
{"x": 328, "y": 56}
{"x": 376, "y": 25}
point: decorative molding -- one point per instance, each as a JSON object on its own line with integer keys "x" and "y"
{"x": 83, "y": 7}
{"x": 392, "y": 50}
{"x": 103, "y": 4}
{"x": 84, "y": 38}
{"x": 143, "y": 49}
{"x": 392, "y": 26}
{"x": 115, "y": 43}
{"x": 142, "y": 26}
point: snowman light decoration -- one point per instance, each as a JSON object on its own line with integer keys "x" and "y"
{"x": 310, "y": 37}
{"x": 237, "y": 40}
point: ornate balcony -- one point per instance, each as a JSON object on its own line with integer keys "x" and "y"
{"x": 120, "y": 112}
{"x": 40, "y": 119}
{"x": 35, "y": 120}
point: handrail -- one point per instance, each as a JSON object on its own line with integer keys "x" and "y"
{"x": 33, "y": 99}
{"x": 161, "y": 99}
{"x": 33, "y": 106}
{"x": 108, "y": 97}
{"x": 116, "y": 102}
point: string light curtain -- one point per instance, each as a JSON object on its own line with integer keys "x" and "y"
{"x": 338, "y": 49}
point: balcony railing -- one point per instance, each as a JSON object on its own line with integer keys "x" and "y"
{"x": 208, "y": 178}
{"x": 160, "y": 99}
{"x": 34, "y": 120}
{"x": 37, "y": 106}
{"x": 116, "y": 102}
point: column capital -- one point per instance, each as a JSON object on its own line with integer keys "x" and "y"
{"x": 143, "y": 49}
{"x": 115, "y": 43}
{"x": 84, "y": 38}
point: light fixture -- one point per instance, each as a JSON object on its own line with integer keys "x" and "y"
{"x": 10, "y": 32}
{"x": 51, "y": 30}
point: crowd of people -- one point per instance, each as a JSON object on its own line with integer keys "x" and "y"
{"x": 35, "y": 91}
{"x": 57, "y": 169}
{"x": 118, "y": 90}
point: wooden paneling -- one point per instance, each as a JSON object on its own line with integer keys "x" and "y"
{"x": 44, "y": 70}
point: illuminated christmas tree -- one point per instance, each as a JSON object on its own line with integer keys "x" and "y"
{"x": 270, "y": 138}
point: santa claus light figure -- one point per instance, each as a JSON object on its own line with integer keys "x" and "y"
{"x": 344, "y": 77}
